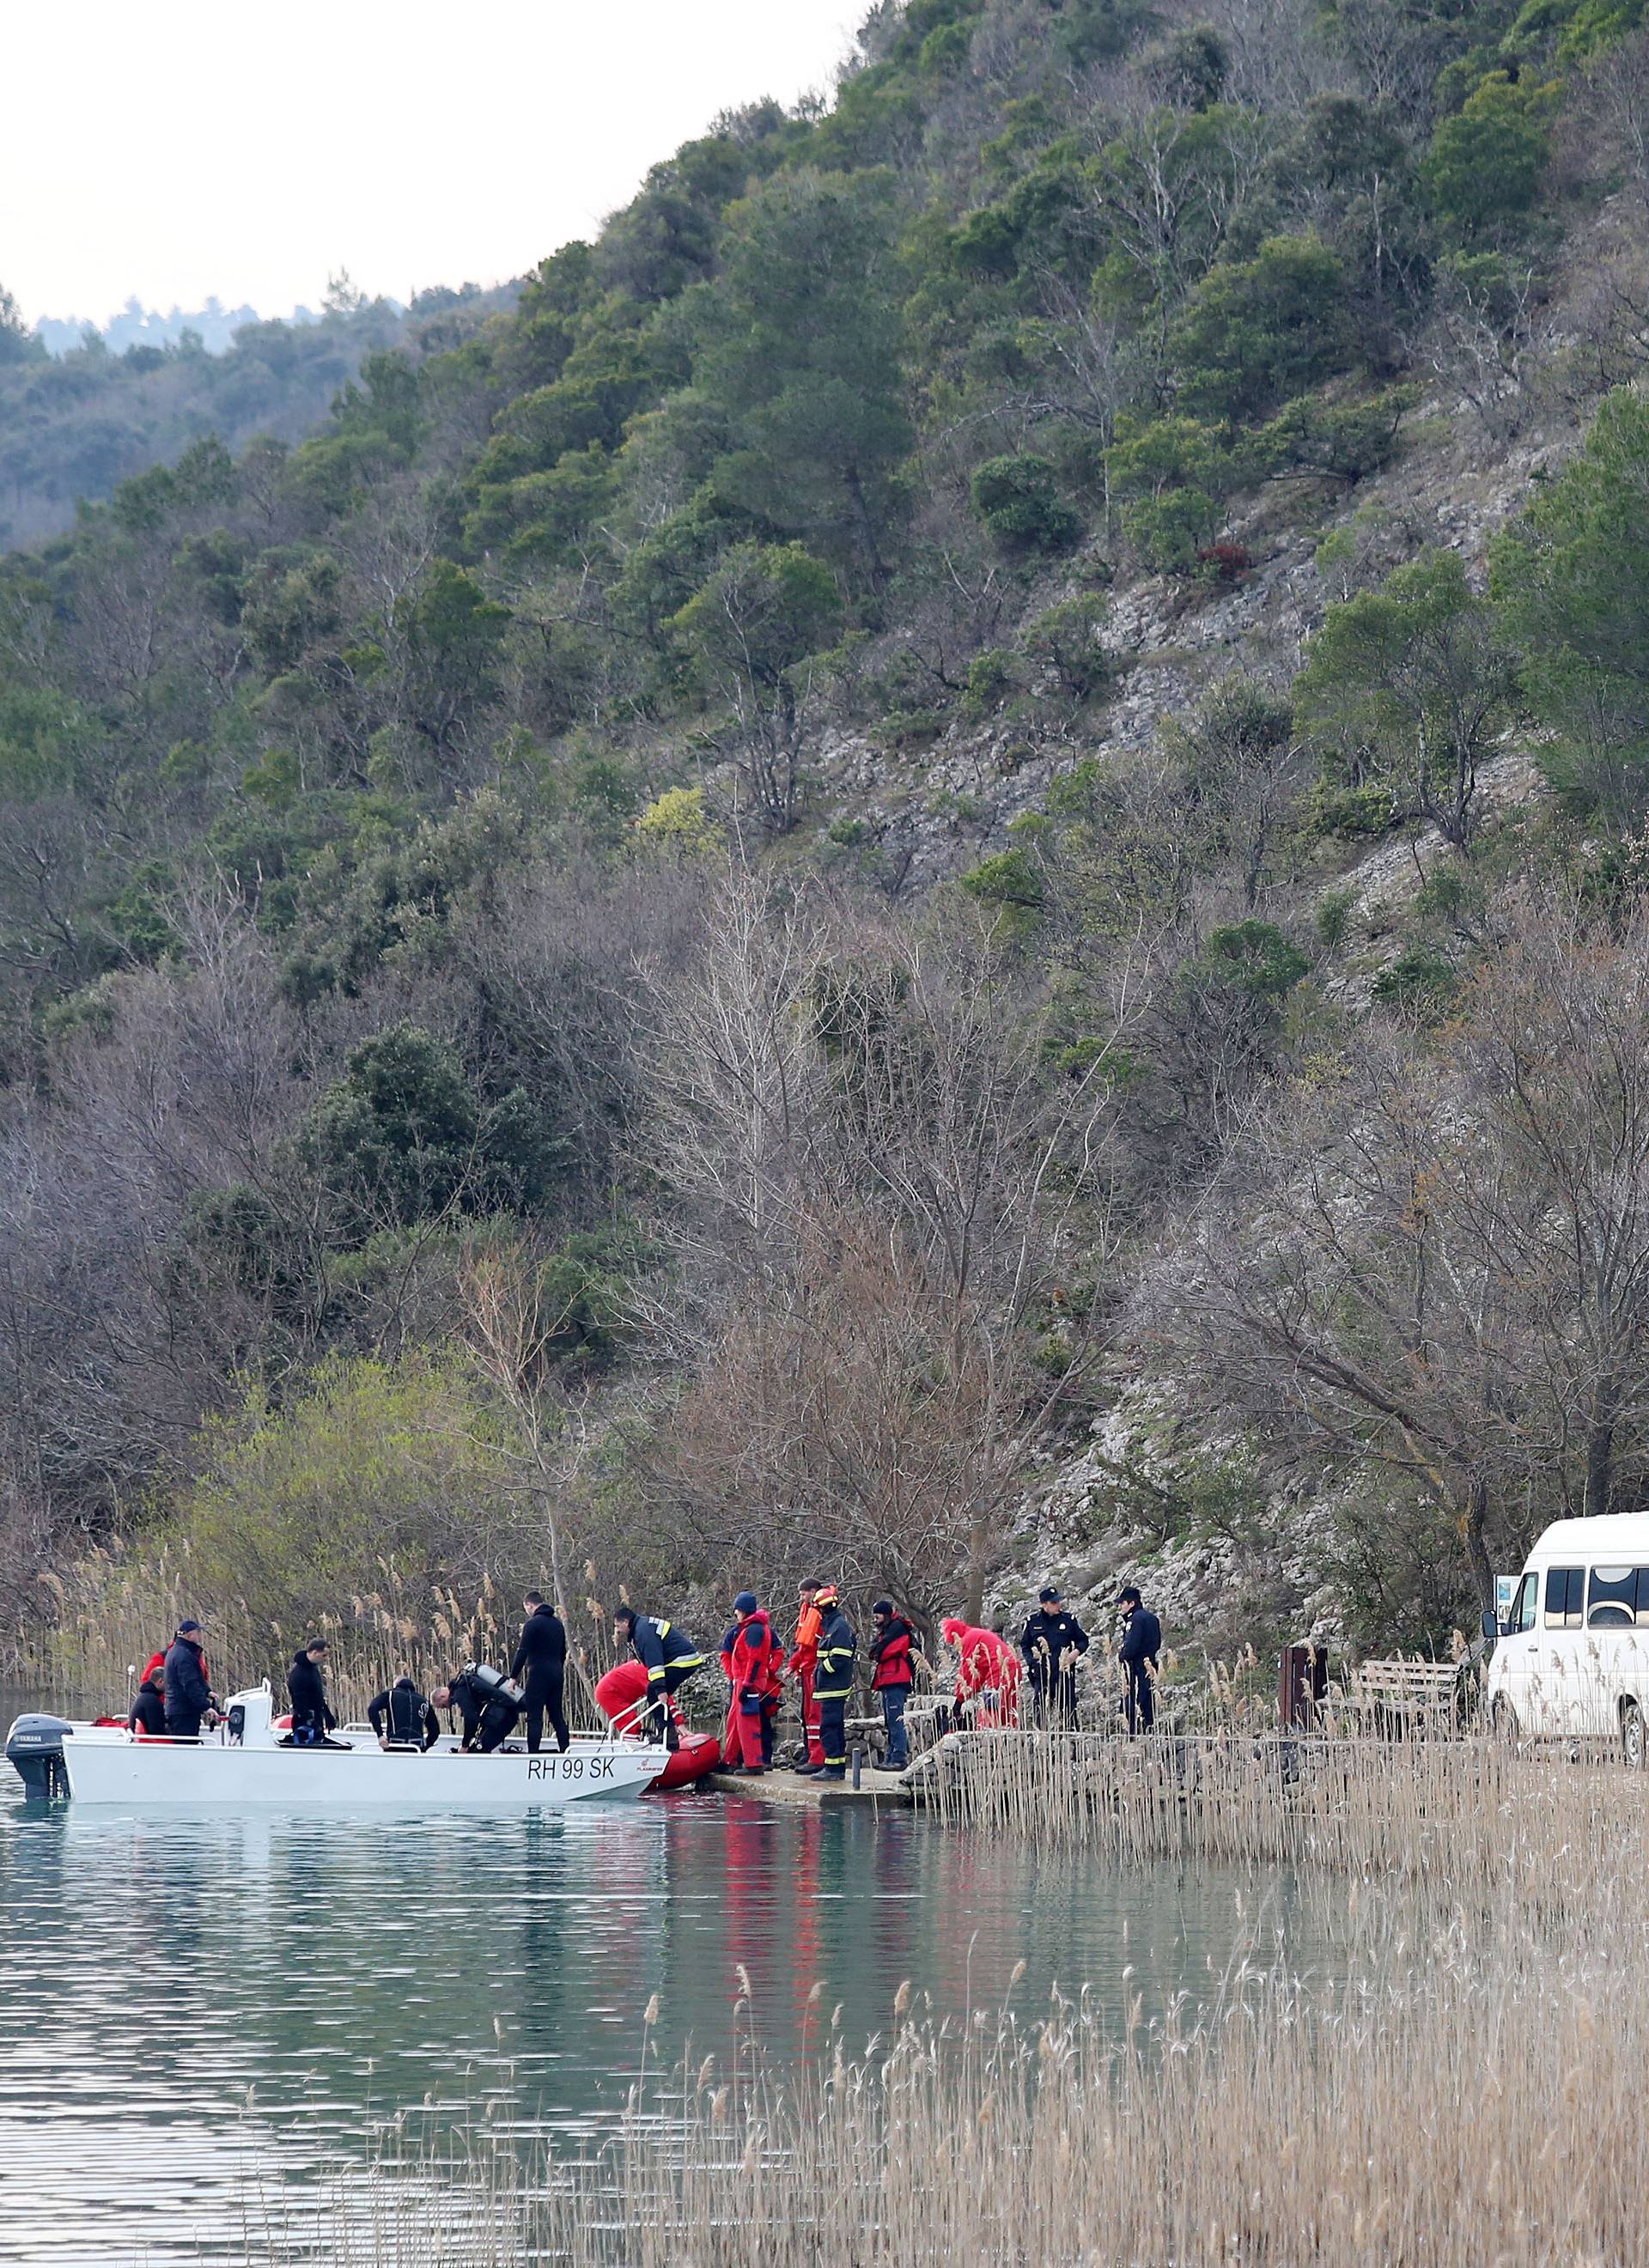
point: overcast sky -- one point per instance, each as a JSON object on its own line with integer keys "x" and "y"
{"x": 199, "y": 146}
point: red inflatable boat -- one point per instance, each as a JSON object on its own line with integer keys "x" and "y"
{"x": 620, "y": 1693}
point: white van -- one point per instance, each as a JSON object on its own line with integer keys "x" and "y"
{"x": 1570, "y": 1660}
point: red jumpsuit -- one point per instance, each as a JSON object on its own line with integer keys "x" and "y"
{"x": 987, "y": 1664}
{"x": 752, "y": 1666}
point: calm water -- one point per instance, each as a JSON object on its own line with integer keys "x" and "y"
{"x": 192, "y": 2016}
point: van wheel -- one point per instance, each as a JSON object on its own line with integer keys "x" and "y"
{"x": 1634, "y": 1736}
{"x": 1503, "y": 1721}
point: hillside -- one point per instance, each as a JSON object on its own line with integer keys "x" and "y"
{"x": 938, "y": 864}
{"x": 76, "y": 420}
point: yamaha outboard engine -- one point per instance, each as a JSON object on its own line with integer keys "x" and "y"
{"x": 34, "y": 1750}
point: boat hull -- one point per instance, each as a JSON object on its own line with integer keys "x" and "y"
{"x": 158, "y": 1775}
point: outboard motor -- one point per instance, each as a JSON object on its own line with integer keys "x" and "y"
{"x": 34, "y": 1750}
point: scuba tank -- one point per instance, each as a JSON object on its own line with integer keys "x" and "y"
{"x": 491, "y": 1684}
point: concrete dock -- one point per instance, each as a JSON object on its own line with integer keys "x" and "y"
{"x": 783, "y": 1787}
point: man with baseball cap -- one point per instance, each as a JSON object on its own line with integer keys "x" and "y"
{"x": 189, "y": 1695}
{"x": 1142, "y": 1643}
{"x": 1052, "y": 1640}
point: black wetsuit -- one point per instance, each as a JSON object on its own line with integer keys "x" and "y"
{"x": 489, "y": 1717}
{"x": 401, "y": 1716}
{"x": 311, "y": 1719}
{"x": 540, "y": 1667}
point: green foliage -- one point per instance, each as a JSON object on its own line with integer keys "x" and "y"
{"x": 800, "y": 337}
{"x": 380, "y": 1476}
{"x": 1335, "y": 908}
{"x": 1484, "y": 166}
{"x": 1012, "y": 881}
{"x": 1421, "y": 981}
{"x": 678, "y": 821}
{"x": 1068, "y": 636}
{"x": 1405, "y": 690}
{"x": 991, "y": 677}
{"x": 1256, "y": 332}
{"x": 1255, "y": 958}
{"x": 766, "y": 607}
{"x": 401, "y": 1136}
{"x": 1175, "y": 476}
{"x": 1017, "y": 498}
{"x": 1570, "y": 580}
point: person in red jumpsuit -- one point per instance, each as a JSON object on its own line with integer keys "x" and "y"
{"x": 750, "y": 1656}
{"x": 986, "y": 1666}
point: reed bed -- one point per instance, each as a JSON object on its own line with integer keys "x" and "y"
{"x": 114, "y": 1608}
{"x": 1358, "y": 1804}
{"x": 1467, "y": 2091}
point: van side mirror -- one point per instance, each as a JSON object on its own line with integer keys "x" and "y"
{"x": 1491, "y": 1626}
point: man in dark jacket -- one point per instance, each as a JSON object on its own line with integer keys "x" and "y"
{"x": 891, "y": 1680}
{"x": 833, "y": 1682}
{"x": 312, "y": 1719}
{"x": 188, "y": 1696}
{"x": 1052, "y": 1640}
{"x": 540, "y": 1667}
{"x": 149, "y": 1710}
{"x": 489, "y": 1716}
{"x": 1142, "y": 1643}
{"x": 670, "y": 1658}
{"x": 402, "y": 1719}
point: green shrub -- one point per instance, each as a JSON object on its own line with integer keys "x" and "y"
{"x": 1067, "y": 635}
{"x": 1334, "y": 919}
{"x": 1421, "y": 981}
{"x": 991, "y": 676}
{"x": 1256, "y": 957}
{"x": 1484, "y": 166}
{"x": 1017, "y": 498}
{"x": 1256, "y": 332}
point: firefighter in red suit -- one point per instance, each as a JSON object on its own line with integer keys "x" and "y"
{"x": 988, "y": 1673}
{"x": 750, "y": 1656}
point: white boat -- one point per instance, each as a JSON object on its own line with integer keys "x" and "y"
{"x": 243, "y": 1764}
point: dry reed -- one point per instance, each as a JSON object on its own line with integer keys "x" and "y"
{"x": 1469, "y": 2091}
{"x": 1359, "y": 1804}
{"x": 113, "y": 1609}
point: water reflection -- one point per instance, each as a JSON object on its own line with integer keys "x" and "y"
{"x": 190, "y": 2005}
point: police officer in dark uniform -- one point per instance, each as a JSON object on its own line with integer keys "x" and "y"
{"x": 1142, "y": 1644}
{"x": 1052, "y": 1640}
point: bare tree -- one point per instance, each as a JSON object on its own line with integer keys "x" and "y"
{"x": 1437, "y": 1259}
{"x": 820, "y": 1064}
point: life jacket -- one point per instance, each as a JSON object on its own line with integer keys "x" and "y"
{"x": 805, "y": 1650}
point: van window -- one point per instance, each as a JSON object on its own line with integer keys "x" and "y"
{"x": 1522, "y": 1615}
{"x": 1617, "y": 1598}
{"x": 1565, "y": 1597}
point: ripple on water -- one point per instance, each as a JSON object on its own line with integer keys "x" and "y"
{"x": 196, "y": 2013}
